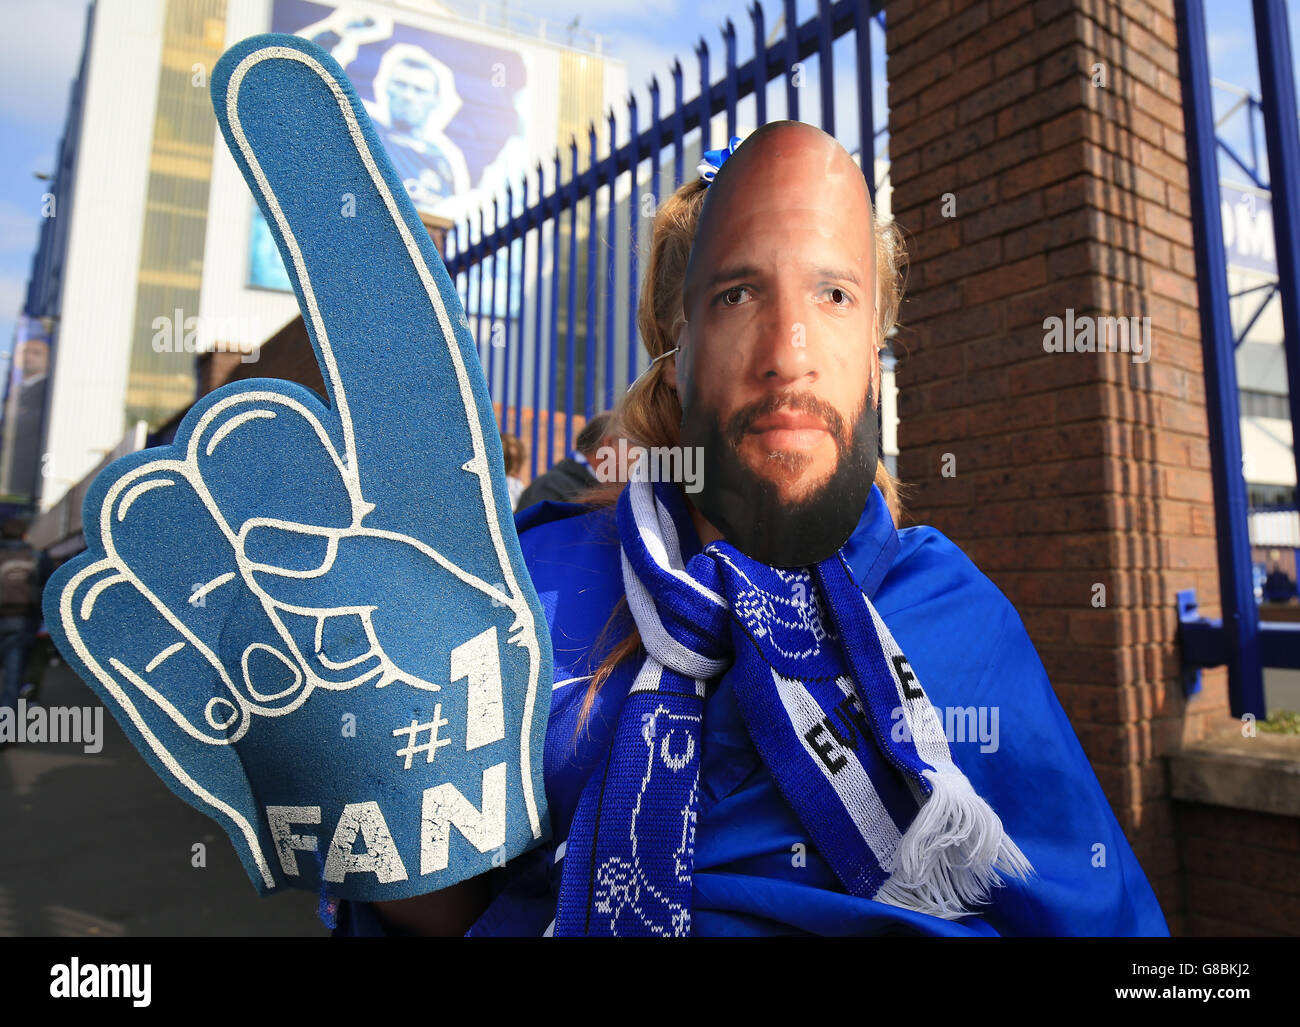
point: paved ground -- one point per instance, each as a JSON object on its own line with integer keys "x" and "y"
{"x": 97, "y": 845}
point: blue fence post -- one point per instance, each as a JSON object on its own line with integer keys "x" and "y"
{"x": 760, "y": 63}
{"x": 679, "y": 124}
{"x": 521, "y": 334}
{"x": 633, "y": 219}
{"x": 510, "y": 297}
{"x": 656, "y": 146}
{"x": 611, "y": 257}
{"x": 1240, "y": 615}
{"x": 537, "y": 320}
{"x": 589, "y": 349}
{"x": 791, "y": 60}
{"x": 729, "y": 83}
{"x": 467, "y": 248}
{"x": 452, "y": 253}
{"x": 866, "y": 95}
{"x": 520, "y": 270}
{"x": 463, "y": 263}
{"x": 571, "y": 309}
{"x": 553, "y": 338}
{"x": 656, "y": 143}
{"x": 481, "y": 254}
{"x": 826, "y": 66}
{"x": 1282, "y": 137}
{"x": 706, "y": 97}
{"x": 490, "y": 367}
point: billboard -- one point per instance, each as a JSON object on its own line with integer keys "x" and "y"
{"x": 1248, "y": 228}
{"x": 24, "y": 407}
{"x": 449, "y": 109}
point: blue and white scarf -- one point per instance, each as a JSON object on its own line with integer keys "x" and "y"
{"x": 890, "y": 812}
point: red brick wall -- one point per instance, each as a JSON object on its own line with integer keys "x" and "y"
{"x": 1240, "y": 871}
{"x": 287, "y": 354}
{"x": 1072, "y": 469}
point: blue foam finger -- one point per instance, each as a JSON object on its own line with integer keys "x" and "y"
{"x": 197, "y": 589}
{"x": 228, "y": 455}
{"x": 118, "y": 606}
{"x": 364, "y": 690}
{"x": 223, "y": 449}
{"x": 376, "y": 283}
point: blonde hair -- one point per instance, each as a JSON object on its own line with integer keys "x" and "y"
{"x": 514, "y": 451}
{"x": 650, "y": 414}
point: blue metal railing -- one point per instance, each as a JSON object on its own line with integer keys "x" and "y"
{"x": 1282, "y": 137}
{"x": 1238, "y": 639}
{"x": 541, "y": 231}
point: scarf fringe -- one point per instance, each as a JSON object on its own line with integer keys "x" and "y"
{"x": 952, "y": 852}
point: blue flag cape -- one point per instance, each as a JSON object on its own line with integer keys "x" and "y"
{"x": 756, "y": 871}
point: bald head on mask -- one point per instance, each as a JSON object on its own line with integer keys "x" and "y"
{"x": 784, "y": 170}
{"x": 778, "y": 368}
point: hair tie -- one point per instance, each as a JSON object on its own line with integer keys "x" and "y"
{"x": 714, "y": 159}
{"x": 650, "y": 366}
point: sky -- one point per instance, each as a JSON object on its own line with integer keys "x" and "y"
{"x": 39, "y": 51}
{"x": 41, "y": 45}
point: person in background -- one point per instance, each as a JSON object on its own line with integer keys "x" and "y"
{"x": 572, "y": 476}
{"x": 23, "y": 573}
{"x": 516, "y": 455}
{"x": 1278, "y": 586}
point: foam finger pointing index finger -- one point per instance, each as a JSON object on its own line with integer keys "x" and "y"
{"x": 395, "y": 353}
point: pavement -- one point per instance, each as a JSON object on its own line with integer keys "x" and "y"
{"x": 95, "y": 845}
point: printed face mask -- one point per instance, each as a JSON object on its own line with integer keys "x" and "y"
{"x": 776, "y": 365}
{"x": 751, "y": 509}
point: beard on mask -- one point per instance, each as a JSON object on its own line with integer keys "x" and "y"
{"x": 753, "y": 510}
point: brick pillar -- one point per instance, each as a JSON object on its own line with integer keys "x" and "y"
{"x": 1072, "y": 470}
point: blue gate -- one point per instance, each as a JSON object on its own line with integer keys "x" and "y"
{"x": 1239, "y": 639}
{"x": 555, "y": 350}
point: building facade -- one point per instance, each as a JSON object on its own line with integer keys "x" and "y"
{"x": 159, "y": 252}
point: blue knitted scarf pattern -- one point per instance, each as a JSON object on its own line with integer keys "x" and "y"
{"x": 834, "y": 709}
